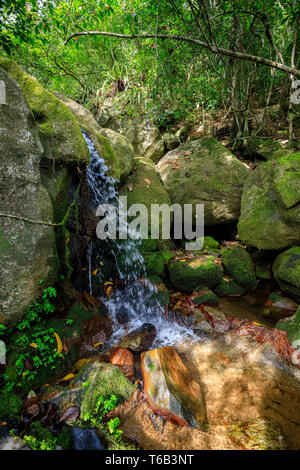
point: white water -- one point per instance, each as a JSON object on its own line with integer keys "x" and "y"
{"x": 135, "y": 298}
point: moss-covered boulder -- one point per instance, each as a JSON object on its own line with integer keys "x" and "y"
{"x": 227, "y": 287}
{"x": 262, "y": 147}
{"x": 209, "y": 244}
{"x": 101, "y": 380}
{"x": 292, "y": 327}
{"x": 203, "y": 295}
{"x": 239, "y": 264}
{"x": 114, "y": 148}
{"x": 27, "y": 250}
{"x": 205, "y": 172}
{"x": 187, "y": 273}
{"x": 286, "y": 270}
{"x": 59, "y": 132}
{"x": 270, "y": 214}
{"x": 145, "y": 187}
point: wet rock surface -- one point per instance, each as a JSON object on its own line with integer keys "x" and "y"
{"x": 171, "y": 390}
{"x": 140, "y": 339}
{"x": 250, "y": 400}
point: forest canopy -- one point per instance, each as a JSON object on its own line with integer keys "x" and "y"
{"x": 176, "y": 58}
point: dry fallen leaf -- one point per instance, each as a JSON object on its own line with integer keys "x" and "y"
{"x": 148, "y": 181}
{"x": 59, "y": 343}
{"x": 130, "y": 187}
{"x": 67, "y": 377}
{"x": 33, "y": 345}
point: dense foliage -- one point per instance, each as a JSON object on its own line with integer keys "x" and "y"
{"x": 167, "y": 79}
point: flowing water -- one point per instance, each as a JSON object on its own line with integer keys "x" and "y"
{"x": 135, "y": 299}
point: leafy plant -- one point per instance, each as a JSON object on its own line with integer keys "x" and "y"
{"x": 102, "y": 407}
{"x": 35, "y": 311}
{"x": 36, "y": 444}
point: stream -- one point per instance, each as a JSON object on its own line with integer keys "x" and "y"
{"x": 135, "y": 299}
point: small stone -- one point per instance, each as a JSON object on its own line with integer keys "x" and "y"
{"x": 123, "y": 358}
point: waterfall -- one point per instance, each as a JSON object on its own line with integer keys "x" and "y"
{"x": 135, "y": 299}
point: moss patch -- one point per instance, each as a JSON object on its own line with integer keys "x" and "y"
{"x": 203, "y": 295}
{"x": 102, "y": 380}
{"x": 185, "y": 274}
{"x": 239, "y": 264}
{"x": 228, "y": 287}
{"x": 57, "y": 127}
{"x": 286, "y": 269}
{"x": 10, "y": 407}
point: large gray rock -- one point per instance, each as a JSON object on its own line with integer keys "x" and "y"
{"x": 27, "y": 249}
{"x": 144, "y": 135}
{"x": 205, "y": 172}
{"x": 270, "y": 213}
{"x": 119, "y": 154}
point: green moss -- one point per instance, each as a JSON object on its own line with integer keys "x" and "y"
{"x": 209, "y": 244}
{"x": 155, "y": 263}
{"x": 64, "y": 438}
{"x": 203, "y": 295}
{"x": 54, "y": 120}
{"x": 5, "y": 244}
{"x": 286, "y": 269}
{"x": 139, "y": 191}
{"x": 263, "y": 147}
{"x": 41, "y": 433}
{"x": 10, "y": 407}
{"x": 292, "y": 327}
{"x": 186, "y": 274}
{"x": 227, "y": 287}
{"x": 148, "y": 245}
{"x": 104, "y": 380}
{"x": 162, "y": 295}
{"x": 263, "y": 271}
{"x": 287, "y": 180}
{"x": 239, "y": 264}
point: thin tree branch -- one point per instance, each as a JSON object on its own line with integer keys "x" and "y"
{"x": 214, "y": 49}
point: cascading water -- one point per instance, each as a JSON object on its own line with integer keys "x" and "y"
{"x": 134, "y": 298}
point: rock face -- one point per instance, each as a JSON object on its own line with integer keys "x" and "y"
{"x": 96, "y": 379}
{"x": 286, "y": 269}
{"x": 59, "y": 133}
{"x": 270, "y": 213}
{"x": 239, "y": 264}
{"x": 292, "y": 327}
{"x": 250, "y": 402}
{"x": 149, "y": 142}
{"x": 123, "y": 358}
{"x": 171, "y": 390}
{"x": 27, "y": 250}
{"x": 115, "y": 148}
{"x": 205, "y": 172}
{"x": 186, "y": 274}
{"x": 144, "y": 136}
{"x": 145, "y": 187}
{"x": 140, "y": 339}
